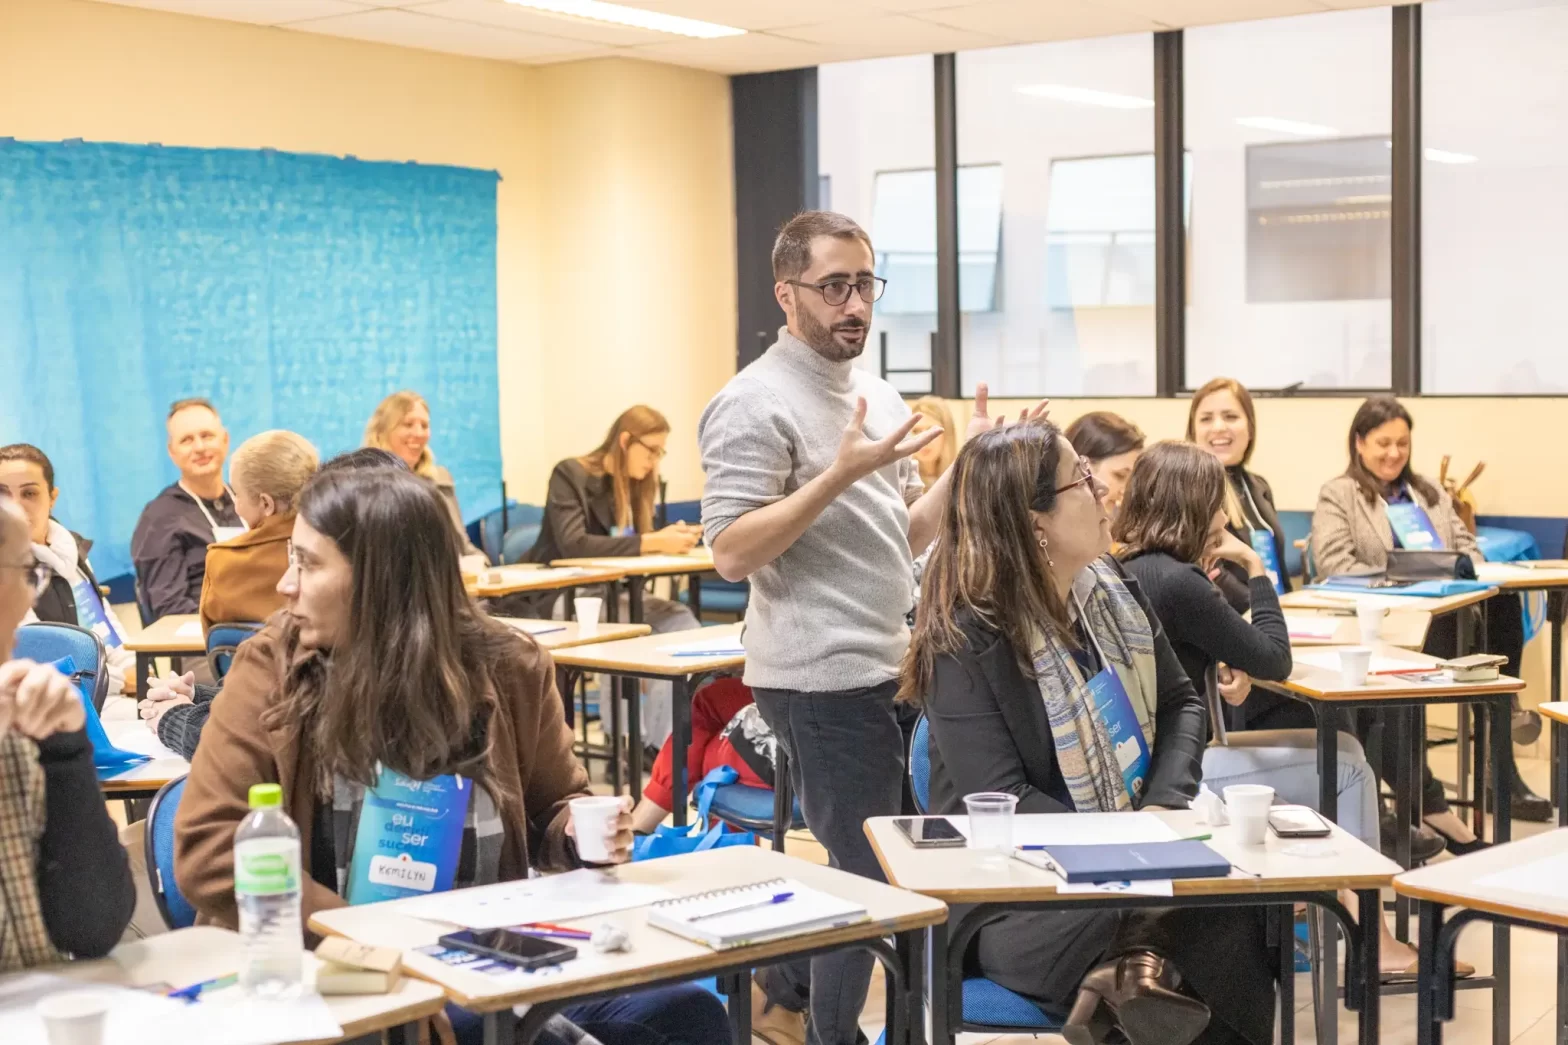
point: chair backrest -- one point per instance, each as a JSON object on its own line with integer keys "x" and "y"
{"x": 50, "y": 642}
{"x": 176, "y": 910}
{"x": 518, "y": 542}
{"x": 222, "y": 641}
{"x": 492, "y": 541}
{"x": 920, "y": 765}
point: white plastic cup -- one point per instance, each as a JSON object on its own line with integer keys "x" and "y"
{"x": 74, "y": 1017}
{"x": 1370, "y": 618}
{"x": 991, "y": 823}
{"x": 587, "y": 609}
{"x": 592, "y": 819}
{"x": 1248, "y": 808}
{"x": 1354, "y": 663}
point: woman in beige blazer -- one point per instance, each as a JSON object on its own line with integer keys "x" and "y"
{"x": 1352, "y": 533}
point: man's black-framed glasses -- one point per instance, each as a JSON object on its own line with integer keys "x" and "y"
{"x": 39, "y": 575}
{"x": 836, "y": 291}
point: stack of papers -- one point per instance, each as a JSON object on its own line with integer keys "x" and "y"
{"x": 554, "y": 898}
{"x": 722, "y": 646}
{"x": 1319, "y": 629}
{"x": 1328, "y": 660}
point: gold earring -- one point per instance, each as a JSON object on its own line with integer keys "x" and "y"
{"x": 1046, "y": 547}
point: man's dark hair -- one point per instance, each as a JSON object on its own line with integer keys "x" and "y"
{"x": 186, "y": 404}
{"x": 792, "y": 250}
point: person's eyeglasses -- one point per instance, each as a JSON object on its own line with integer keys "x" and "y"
{"x": 658, "y": 452}
{"x": 1086, "y": 477}
{"x": 38, "y": 576}
{"x": 836, "y": 291}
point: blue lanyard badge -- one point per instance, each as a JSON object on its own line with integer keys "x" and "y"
{"x": 91, "y": 615}
{"x": 1412, "y": 527}
{"x": 1114, "y": 708}
{"x": 410, "y": 837}
{"x": 1263, "y": 544}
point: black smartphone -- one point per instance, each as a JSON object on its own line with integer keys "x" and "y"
{"x": 930, "y": 832}
{"x": 1298, "y": 822}
{"x": 512, "y": 947}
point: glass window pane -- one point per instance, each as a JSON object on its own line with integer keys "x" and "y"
{"x": 1287, "y": 125}
{"x": 1494, "y": 216}
{"x": 1056, "y": 217}
{"x": 876, "y": 157}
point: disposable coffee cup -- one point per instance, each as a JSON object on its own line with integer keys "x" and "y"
{"x": 1369, "y": 618}
{"x": 592, "y": 819}
{"x": 74, "y": 1017}
{"x": 1354, "y": 664}
{"x": 1248, "y": 808}
{"x": 587, "y": 610}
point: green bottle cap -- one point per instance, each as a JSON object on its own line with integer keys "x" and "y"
{"x": 266, "y": 796}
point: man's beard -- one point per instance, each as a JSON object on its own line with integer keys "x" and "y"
{"x": 820, "y": 338}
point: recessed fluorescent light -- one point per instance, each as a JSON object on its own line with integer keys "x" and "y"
{"x": 1443, "y": 155}
{"x": 598, "y": 11}
{"x": 1273, "y": 123}
{"x": 1086, "y": 96}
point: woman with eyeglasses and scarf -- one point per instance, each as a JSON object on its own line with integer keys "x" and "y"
{"x": 65, "y": 885}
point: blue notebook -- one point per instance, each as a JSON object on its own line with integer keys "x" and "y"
{"x": 1137, "y": 862}
{"x": 1425, "y": 589}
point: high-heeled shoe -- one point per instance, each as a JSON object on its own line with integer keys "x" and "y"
{"x": 1136, "y": 993}
{"x": 1458, "y": 848}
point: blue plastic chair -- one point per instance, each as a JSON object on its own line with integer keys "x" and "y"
{"x": 222, "y": 641}
{"x": 518, "y": 542}
{"x": 987, "y": 1005}
{"x": 494, "y": 543}
{"x": 177, "y": 911}
{"x": 46, "y": 643}
{"x": 758, "y": 809}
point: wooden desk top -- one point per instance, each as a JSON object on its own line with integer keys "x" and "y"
{"x": 564, "y": 634}
{"x": 698, "y": 560}
{"x": 654, "y": 953}
{"x": 127, "y": 732}
{"x": 1309, "y": 680}
{"x": 508, "y": 580}
{"x": 1320, "y": 599}
{"x": 1557, "y": 712}
{"x": 1403, "y": 628}
{"x": 960, "y": 876}
{"x": 188, "y": 956}
{"x": 1521, "y": 576}
{"x": 644, "y": 657}
{"x": 178, "y": 633}
{"x": 1454, "y": 882}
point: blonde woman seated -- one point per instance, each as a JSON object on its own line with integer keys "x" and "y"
{"x": 1019, "y": 611}
{"x": 401, "y": 424}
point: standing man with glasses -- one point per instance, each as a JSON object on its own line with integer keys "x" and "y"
{"x": 813, "y": 496}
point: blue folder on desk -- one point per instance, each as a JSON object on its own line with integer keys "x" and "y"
{"x": 1425, "y": 589}
{"x": 1137, "y": 861}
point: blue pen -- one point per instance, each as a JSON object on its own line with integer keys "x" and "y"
{"x": 774, "y": 899}
{"x": 196, "y": 990}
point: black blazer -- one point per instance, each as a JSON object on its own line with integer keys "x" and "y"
{"x": 989, "y": 730}
{"x": 1232, "y": 579}
{"x": 579, "y": 513}
{"x": 57, "y": 604}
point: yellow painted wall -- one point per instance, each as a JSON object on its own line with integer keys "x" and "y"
{"x": 614, "y": 212}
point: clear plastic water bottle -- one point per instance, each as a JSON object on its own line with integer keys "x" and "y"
{"x": 267, "y": 889}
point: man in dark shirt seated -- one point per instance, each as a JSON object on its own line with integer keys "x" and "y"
{"x": 169, "y": 546}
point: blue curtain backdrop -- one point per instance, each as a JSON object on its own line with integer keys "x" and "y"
{"x": 293, "y": 290}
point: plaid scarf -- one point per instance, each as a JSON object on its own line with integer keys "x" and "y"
{"x": 1111, "y": 616}
{"x": 24, "y": 938}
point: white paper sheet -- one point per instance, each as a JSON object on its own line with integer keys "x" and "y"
{"x": 1320, "y": 628}
{"x": 191, "y": 629}
{"x": 1547, "y": 876}
{"x": 1083, "y": 829}
{"x": 226, "y": 1017}
{"x": 535, "y": 627}
{"x": 659, "y": 562}
{"x": 1328, "y": 660}
{"x": 723, "y": 646}
{"x": 554, "y": 898}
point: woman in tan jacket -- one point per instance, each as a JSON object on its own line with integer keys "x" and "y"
{"x": 381, "y": 663}
{"x": 267, "y": 473}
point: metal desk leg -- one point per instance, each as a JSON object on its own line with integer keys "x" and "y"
{"x": 1369, "y": 920}
{"x": 1554, "y": 622}
{"x": 1429, "y": 1026}
{"x": 403, "y": 1034}
{"x": 694, "y": 595}
{"x": 634, "y": 738}
{"x": 610, "y": 693}
{"x": 911, "y": 947}
{"x": 634, "y": 586}
{"x": 1502, "y": 821}
{"x": 1560, "y": 788}
{"x": 947, "y": 999}
{"x": 1328, "y": 758}
{"x": 1284, "y": 919}
{"x": 1407, "y": 801}
{"x": 492, "y": 1027}
{"x": 736, "y": 988}
{"x": 680, "y": 740}
{"x": 146, "y": 663}
{"x": 783, "y": 798}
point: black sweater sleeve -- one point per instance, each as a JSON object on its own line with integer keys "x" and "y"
{"x": 180, "y": 728}
{"x": 1198, "y": 615}
{"x": 84, "y": 879}
{"x": 1181, "y": 723}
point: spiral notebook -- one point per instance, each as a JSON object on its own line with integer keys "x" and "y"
{"x": 780, "y": 907}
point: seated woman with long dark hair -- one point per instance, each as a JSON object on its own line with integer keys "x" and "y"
{"x": 381, "y": 663}
{"x": 1020, "y": 611}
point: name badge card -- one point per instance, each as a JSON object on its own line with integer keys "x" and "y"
{"x": 410, "y": 837}
{"x": 1114, "y": 708}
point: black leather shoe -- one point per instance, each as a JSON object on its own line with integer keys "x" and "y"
{"x": 1425, "y": 843}
{"x": 1525, "y": 804}
{"x": 1136, "y": 994}
{"x": 1459, "y": 848}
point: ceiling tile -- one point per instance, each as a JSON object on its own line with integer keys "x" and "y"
{"x": 520, "y": 19}
{"x": 883, "y": 34}
{"x": 1178, "y": 14}
{"x": 1032, "y": 20}
{"x": 256, "y": 12}
{"x": 759, "y": 14}
{"x": 754, "y": 52}
{"x": 411, "y": 29}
